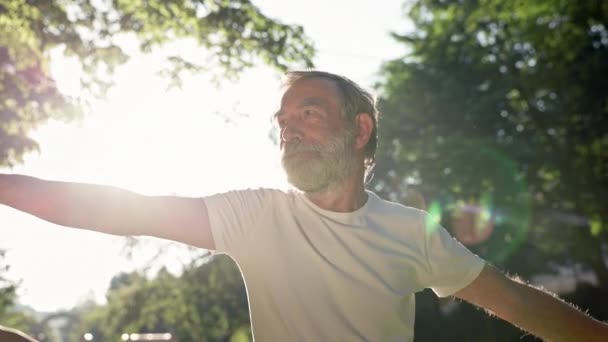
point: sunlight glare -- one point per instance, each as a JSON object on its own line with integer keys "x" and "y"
{"x": 193, "y": 141}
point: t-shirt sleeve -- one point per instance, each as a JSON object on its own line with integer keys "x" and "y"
{"x": 233, "y": 217}
{"x": 451, "y": 266}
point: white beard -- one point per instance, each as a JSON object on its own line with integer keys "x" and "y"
{"x": 330, "y": 164}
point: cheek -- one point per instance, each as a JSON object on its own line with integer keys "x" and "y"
{"x": 320, "y": 130}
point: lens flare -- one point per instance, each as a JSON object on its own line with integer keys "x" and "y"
{"x": 434, "y": 212}
{"x": 504, "y": 207}
{"x": 491, "y": 208}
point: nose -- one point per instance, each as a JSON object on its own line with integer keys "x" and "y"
{"x": 290, "y": 132}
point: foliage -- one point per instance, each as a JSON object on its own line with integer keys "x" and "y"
{"x": 206, "y": 303}
{"x": 501, "y": 109}
{"x": 498, "y": 117}
{"x": 234, "y": 33}
{"x": 7, "y": 290}
{"x": 10, "y": 317}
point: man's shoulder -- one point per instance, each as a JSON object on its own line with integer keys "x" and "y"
{"x": 384, "y": 206}
{"x": 260, "y": 194}
{"x": 397, "y": 221}
{"x": 268, "y": 192}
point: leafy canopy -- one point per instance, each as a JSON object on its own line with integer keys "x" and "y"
{"x": 233, "y": 32}
{"x": 207, "y": 302}
{"x": 500, "y": 111}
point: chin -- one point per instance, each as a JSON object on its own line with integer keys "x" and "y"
{"x": 308, "y": 184}
{"x": 300, "y": 183}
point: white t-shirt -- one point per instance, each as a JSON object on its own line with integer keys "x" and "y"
{"x": 317, "y": 275}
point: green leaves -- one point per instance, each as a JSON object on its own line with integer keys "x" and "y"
{"x": 232, "y": 35}
{"x": 7, "y": 289}
{"x": 8, "y": 315}
{"x": 506, "y": 98}
{"x": 205, "y": 303}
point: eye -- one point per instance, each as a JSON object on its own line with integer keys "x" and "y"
{"x": 309, "y": 112}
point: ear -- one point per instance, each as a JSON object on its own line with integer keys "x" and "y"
{"x": 365, "y": 126}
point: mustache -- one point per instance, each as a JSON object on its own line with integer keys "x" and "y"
{"x": 298, "y": 146}
{"x": 333, "y": 145}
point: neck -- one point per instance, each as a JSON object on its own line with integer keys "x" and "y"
{"x": 347, "y": 196}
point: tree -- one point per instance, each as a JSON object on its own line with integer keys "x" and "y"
{"x": 235, "y": 33}
{"x": 206, "y": 303}
{"x": 502, "y": 104}
{"x": 498, "y": 116}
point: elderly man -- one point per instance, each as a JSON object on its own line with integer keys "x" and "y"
{"x": 329, "y": 260}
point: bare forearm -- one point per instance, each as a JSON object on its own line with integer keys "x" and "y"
{"x": 75, "y": 205}
{"x": 531, "y": 309}
{"x": 109, "y": 210}
{"x": 553, "y": 319}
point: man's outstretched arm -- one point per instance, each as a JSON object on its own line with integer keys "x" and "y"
{"x": 109, "y": 210}
{"x": 531, "y": 309}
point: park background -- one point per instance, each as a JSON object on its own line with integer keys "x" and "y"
{"x": 493, "y": 120}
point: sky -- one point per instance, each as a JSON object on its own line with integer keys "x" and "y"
{"x": 193, "y": 141}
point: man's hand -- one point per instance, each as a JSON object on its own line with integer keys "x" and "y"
{"x": 533, "y": 310}
{"x": 109, "y": 210}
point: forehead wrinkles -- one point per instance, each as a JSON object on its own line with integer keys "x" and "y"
{"x": 327, "y": 92}
{"x": 309, "y": 101}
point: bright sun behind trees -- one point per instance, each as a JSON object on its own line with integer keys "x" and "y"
{"x": 233, "y": 35}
